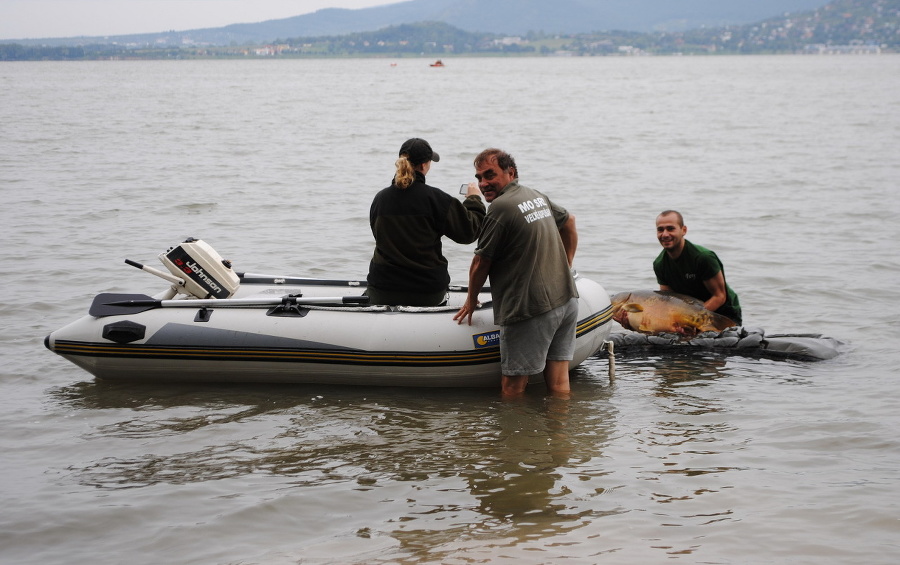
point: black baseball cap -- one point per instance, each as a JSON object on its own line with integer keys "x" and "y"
{"x": 418, "y": 151}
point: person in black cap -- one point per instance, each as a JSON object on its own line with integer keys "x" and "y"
{"x": 408, "y": 220}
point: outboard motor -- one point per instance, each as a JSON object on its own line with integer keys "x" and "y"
{"x": 196, "y": 270}
{"x": 205, "y": 273}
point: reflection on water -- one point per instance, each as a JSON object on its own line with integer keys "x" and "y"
{"x": 450, "y": 472}
{"x": 448, "y": 468}
{"x": 531, "y": 474}
{"x": 506, "y": 470}
{"x": 687, "y": 443}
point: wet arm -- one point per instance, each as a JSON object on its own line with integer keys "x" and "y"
{"x": 478, "y": 274}
{"x": 716, "y": 288}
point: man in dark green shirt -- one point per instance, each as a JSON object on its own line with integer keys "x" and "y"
{"x": 693, "y": 270}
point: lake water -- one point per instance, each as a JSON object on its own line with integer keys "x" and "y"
{"x": 788, "y": 167}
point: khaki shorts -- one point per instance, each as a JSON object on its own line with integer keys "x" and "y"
{"x": 525, "y": 347}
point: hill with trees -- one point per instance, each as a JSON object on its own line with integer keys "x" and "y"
{"x": 843, "y": 26}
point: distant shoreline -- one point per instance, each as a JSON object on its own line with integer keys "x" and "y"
{"x": 855, "y": 30}
{"x": 186, "y": 56}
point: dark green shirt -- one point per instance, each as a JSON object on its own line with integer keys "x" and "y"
{"x": 686, "y": 274}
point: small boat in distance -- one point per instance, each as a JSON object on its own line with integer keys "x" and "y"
{"x": 437, "y": 63}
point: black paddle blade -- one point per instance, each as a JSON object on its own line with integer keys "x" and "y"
{"x": 113, "y": 304}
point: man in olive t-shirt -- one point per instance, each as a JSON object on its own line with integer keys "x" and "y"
{"x": 526, "y": 247}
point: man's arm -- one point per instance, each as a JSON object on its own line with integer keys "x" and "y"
{"x": 569, "y": 235}
{"x": 478, "y": 274}
{"x": 716, "y": 287}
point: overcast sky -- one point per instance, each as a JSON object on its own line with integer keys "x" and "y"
{"x": 23, "y": 19}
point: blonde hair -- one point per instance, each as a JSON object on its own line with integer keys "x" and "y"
{"x": 406, "y": 173}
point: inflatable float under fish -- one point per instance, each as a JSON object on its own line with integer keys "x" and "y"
{"x": 668, "y": 321}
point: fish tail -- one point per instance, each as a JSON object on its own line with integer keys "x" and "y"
{"x": 720, "y": 322}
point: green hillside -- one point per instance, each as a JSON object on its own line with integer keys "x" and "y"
{"x": 843, "y": 26}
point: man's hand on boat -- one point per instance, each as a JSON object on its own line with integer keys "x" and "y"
{"x": 465, "y": 313}
{"x": 478, "y": 275}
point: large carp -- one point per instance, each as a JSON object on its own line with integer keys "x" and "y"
{"x": 661, "y": 311}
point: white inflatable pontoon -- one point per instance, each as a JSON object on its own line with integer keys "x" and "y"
{"x": 216, "y": 325}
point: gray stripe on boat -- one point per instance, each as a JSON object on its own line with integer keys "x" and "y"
{"x": 181, "y": 334}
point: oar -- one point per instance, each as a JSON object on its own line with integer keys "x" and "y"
{"x": 112, "y": 304}
{"x": 258, "y": 278}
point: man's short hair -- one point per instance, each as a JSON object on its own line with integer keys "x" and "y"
{"x": 504, "y": 159}
{"x": 677, "y": 214}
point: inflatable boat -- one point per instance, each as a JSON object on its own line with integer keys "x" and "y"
{"x": 216, "y": 325}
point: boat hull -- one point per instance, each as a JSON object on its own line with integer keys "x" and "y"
{"x": 370, "y": 346}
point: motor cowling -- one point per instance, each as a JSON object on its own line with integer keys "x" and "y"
{"x": 204, "y": 272}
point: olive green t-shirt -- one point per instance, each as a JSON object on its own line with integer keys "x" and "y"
{"x": 530, "y": 273}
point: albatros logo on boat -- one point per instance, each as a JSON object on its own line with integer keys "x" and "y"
{"x": 489, "y": 339}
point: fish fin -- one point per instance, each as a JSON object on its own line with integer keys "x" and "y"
{"x": 720, "y": 322}
{"x": 632, "y": 307}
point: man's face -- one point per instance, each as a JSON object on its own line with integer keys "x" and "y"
{"x": 669, "y": 233}
{"x": 492, "y": 179}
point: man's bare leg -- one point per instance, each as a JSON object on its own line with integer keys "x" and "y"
{"x": 514, "y": 385}
{"x": 556, "y": 375}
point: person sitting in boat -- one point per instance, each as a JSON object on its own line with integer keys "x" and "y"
{"x": 408, "y": 220}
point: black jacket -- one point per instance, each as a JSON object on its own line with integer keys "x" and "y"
{"x": 408, "y": 225}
